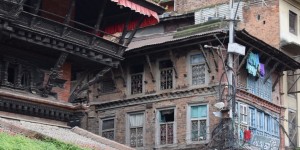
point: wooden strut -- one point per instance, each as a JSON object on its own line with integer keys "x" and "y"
{"x": 125, "y": 29}
{"x": 205, "y": 57}
{"x": 134, "y": 31}
{"x": 213, "y": 55}
{"x": 113, "y": 77}
{"x": 54, "y": 74}
{"x": 99, "y": 21}
{"x": 36, "y": 10}
{"x": 151, "y": 71}
{"x": 68, "y": 17}
{"x": 244, "y": 60}
{"x": 270, "y": 73}
{"x": 79, "y": 82}
{"x": 85, "y": 86}
{"x": 174, "y": 63}
{"x": 277, "y": 79}
{"x": 123, "y": 75}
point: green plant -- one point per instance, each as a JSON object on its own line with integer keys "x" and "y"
{"x": 19, "y": 142}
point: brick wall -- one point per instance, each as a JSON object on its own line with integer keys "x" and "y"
{"x": 267, "y": 28}
{"x": 180, "y": 106}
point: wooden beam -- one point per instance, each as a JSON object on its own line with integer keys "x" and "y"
{"x": 244, "y": 60}
{"x": 270, "y": 73}
{"x": 134, "y": 31}
{"x": 268, "y": 61}
{"x": 86, "y": 86}
{"x": 123, "y": 75}
{"x": 68, "y": 17}
{"x": 174, "y": 63}
{"x": 36, "y": 10}
{"x": 54, "y": 74}
{"x": 100, "y": 16}
{"x": 125, "y": 29}
{"x": 277, "y": 79}
{"x": 79, "y": 82}
{"x": 214, "y": 57}
{"x": 113, "y": 77}
{"x": 150, "y": 66}
{"x": 205, "y": 57}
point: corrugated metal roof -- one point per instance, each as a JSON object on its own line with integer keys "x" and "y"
{"x": 162, "y": 39}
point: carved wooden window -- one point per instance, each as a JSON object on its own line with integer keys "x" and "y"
{"x": 136, "y": 73}
{"x": 25, "y": 79}
{"x": 166, "y": 74}
{"x": 197, "y": 63}
{"x": 136, "y": 128}
{"x": 259, "y": 88}
{"x": 107, "y": 86}
{"x": 166, "y": 126}
{"x": 198, "y": 123}
{"x": 108, "y": 128}
{"x": 293, "y": 22}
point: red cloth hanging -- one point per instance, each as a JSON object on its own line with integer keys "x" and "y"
{"x": 150, "y": 19}
{"x": 119, "y": 27}
{"x": 247, "y": 135}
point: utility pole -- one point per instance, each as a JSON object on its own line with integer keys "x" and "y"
{"x": 231, "y": 95}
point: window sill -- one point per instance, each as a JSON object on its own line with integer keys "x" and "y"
{"x": 166, "y": 146}
{"x": 197, "y": 142}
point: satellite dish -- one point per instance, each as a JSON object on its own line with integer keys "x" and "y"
{"x": 220, "y": 105}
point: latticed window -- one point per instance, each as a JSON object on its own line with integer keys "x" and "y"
{"x": 166, "y": 126}
{"x": 136, "y": 123}
{"x": 198, "y": 123}
{"x": 137, "y": 79}
{"x": 198, "y": 69}
{"x": 259, "y": 88}
{"x": 107, "y": 86}
{"x": 293, "y": 22}
{"x": 108, "y": 128}
{"x": 166, "y": 74}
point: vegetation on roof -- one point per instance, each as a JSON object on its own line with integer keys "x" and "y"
{"x": 19, "y": 142}
{"x": 198, "y": 28}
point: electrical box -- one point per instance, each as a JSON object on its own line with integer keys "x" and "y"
{"x": 236, "y": 48}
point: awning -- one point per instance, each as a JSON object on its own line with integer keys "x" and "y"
{"x": 137, "y": 8}
{"x": 151, "y": 19}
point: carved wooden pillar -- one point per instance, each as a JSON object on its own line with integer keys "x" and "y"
{"x": 19, "y": 76}
{"x": 5, "y": 72}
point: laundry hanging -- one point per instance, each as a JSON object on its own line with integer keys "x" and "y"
{"x": 253, "y": 64}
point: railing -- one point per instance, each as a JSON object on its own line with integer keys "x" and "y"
{"x": 69, "y": 29}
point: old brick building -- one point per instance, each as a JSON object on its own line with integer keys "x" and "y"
{"x": 163, "y": 94}
{"x": 51, "y": 51}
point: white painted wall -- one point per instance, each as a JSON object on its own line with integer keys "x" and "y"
{"x": 284, "y": 7}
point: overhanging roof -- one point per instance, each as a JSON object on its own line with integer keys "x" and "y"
{"x": 150, "y": 44}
